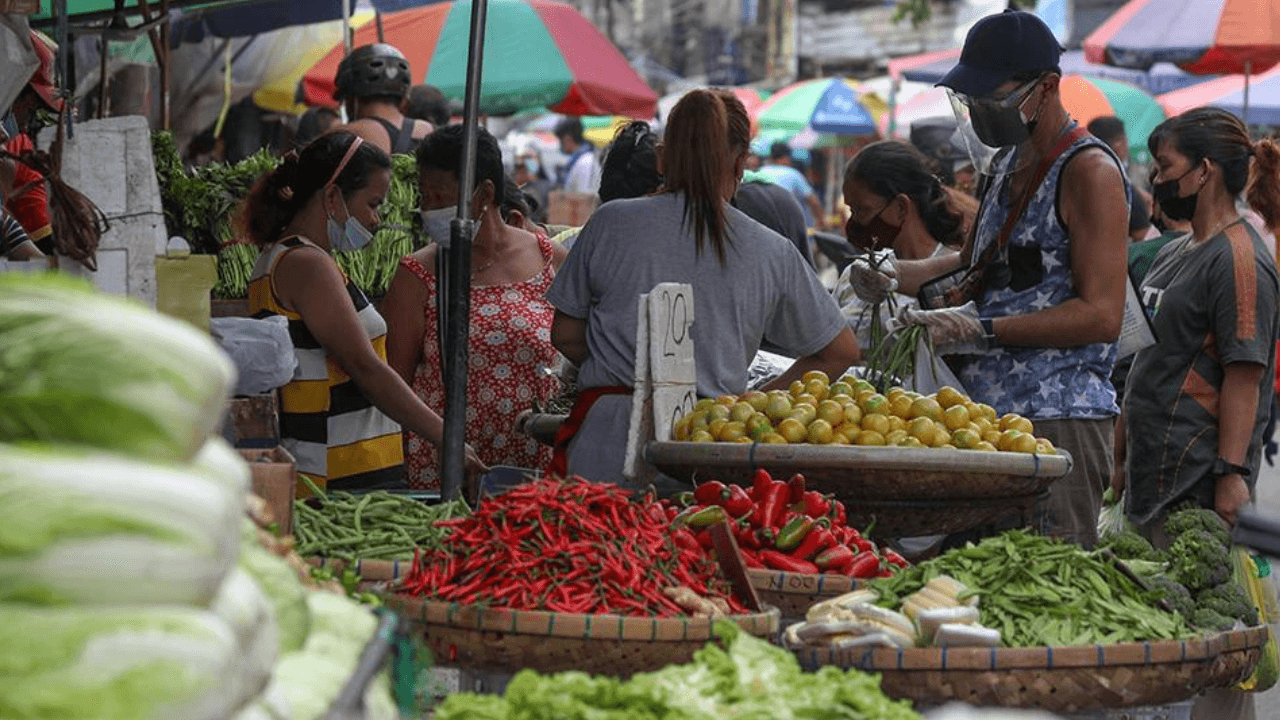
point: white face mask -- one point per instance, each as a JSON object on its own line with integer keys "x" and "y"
{"x": 351, "y": 235}
{"x": 436, "y": 224}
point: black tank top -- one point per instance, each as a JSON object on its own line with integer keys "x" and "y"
{"x": 402, "y": 139}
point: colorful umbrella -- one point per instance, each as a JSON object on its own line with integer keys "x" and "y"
{"x": 1204, "y": 37}
{"x": 833, "y": 106}
{"x": 1085, "y": 98}
{"x": 538, "y": 53}
{"x": 1228, "y": 93}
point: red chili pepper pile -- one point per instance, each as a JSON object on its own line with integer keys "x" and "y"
{"x": 783, "y": 526}
{"x": 567, "y": 546}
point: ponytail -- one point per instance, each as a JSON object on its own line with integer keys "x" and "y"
{"x": 706, "y": 133}
{"x": 279, "y": 195}
{"x": 1263, "y": 190}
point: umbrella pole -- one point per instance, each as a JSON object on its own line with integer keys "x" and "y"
{"x": 346, "y": 26}
{"x": 377, "y": 21}
{"x": 1245, "y": 110}
{"x": 458, "y": 273}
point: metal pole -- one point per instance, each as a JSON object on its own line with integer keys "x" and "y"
{"x": 377, "y": 21}
{"x": 64, "y": 52}
{"x": 1244, "y": 113}
{"x": 458, "y": 269}
{"x": 346, "y": 26}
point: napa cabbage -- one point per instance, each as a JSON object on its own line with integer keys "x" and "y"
{"x": 82, "y": 367}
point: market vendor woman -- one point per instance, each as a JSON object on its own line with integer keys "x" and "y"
{"x": 341, "y": 414}
{"x": 1198, "y": 400}
{"x": 749, "y": 283}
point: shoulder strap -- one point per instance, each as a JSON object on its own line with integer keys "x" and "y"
{"x": 403, "y": 142}
{"x": 1029, "y": 190}
{"x": 394, "y": 134}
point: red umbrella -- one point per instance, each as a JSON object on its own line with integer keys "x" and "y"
{"x": 538, "y": 53}
{"x": 1205, "y": 37}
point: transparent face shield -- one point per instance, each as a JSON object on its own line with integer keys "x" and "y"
{"x": 990, "y": 130}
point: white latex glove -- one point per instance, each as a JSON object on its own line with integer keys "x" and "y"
{"x": 954, "y": 330}
{"x": 873, "y": 277}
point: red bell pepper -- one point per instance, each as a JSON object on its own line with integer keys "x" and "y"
{"x": 795, "y": 488}
{"x": 766, "y": 537}
{"x": 894, "y": 558}
{"x": 816, "y": 504}
{"x": 788, "y": 563}
{"x": 818, "y": 539}
{"x": 685, "y": 539}
{"x": 862, "y": 544}
{"x": 672, "y": 512}
{"x": 794, "y": 532}
{"x": 739, "y": 502}
{"x": 865, "y": 565}
{"x": 711, "y": 493}
{"x": 759, "y": 483}
{"x": 772, "y": 507}
{"x": 838, "y": 514}
{"x": 834, "y": 557}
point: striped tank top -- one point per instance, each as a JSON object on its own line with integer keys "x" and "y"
{"x": 338, "y": 437}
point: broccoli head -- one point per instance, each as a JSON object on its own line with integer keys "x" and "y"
{"x": 1197, "y": 518}
{"x": 1206, "y": 619}
{"x": 1199, "y": 560}
{"x": 1129, "y": 545}
{"x": 1229, "y": 599}
{"x": 1178, "y": 597}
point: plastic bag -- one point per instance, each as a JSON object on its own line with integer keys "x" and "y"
{"x": 262, "y": 351}
{"x": 931, "y": 373}
{"x": 1247, "y": 571}
{"x": 18, "y": 59}
{"x": 765, "y": 367}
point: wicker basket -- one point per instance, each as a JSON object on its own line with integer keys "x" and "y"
{"x": 906, "y": 491}
{"x": 794, "y": 593}
{"x": 370, "y": 571}
{"x": 502, "y": 640}
{"x": 1065, "y": 679}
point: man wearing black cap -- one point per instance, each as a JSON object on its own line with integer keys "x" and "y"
{"x": 1030, "y": 310}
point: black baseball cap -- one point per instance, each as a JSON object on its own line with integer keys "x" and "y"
{"x": 999, "y": 47}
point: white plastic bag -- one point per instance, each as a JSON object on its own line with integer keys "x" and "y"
{"x": 931, "y": 373}
{"x": 262, "y": 351}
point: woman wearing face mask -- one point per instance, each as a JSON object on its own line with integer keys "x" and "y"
{"x": 901, "y": 210}
{"x": 510, "y": 340}
{"x": 341, "y": 414}
{"x": 1198, "y": 400}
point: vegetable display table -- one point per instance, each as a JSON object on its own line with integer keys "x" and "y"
{"x": 905, "y": 491}
{"x": 496, "y": 639}
{"x": 1059, "y": 679}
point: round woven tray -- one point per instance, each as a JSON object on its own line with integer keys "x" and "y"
{"x": 794, "y": 593}
{"x": 906, "y": 491}
{"x": 1065, "y": 679}
{"x": 502, "y": 640}
{"x": 370, "y": 571}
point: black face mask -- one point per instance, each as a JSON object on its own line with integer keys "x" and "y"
{"x": 1173, "y": 206}
{"x": 1157, "y": 222}
{"x": 1000, "y": 125}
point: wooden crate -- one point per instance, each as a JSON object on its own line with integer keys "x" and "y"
{"x": 253, "y": 421}
{"x": 275, "y": 479}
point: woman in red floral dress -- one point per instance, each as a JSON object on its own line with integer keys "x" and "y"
{"x": 510, "y": 341}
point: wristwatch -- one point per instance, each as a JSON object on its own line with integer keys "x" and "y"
{"x": 1222, "y": 468}
{"x": 988, "y": 331}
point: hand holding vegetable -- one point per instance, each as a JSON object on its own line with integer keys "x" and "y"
{"x": 952, "y": 330}
{"x": 1230, "y": 494}
{"x": 873, "y": 278}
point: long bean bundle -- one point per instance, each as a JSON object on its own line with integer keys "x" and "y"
{"x": 374, "y": 526}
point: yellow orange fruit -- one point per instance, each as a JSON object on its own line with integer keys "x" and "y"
{"x": 896, "y": 437}
{"x": 948, "y": 396}
{"x": 955, "y": 417}
{"x": 1024, "y": 443}
{"x": 874, "y": 403}
{"x": 1006, "y": 439}
{"x": 926, "y": 407}
{"x": 869, "y": 437}
{"x": 831, "y": 411}
{"x": 813, "y": 375}
{"x": 840, "y": 389}
{"x": 756, "y": 399}
{"x": 758, "y": 424}
{"x": 923, "y": 430}
{"x": 964, "y": 438}
{"x": 804, "y": 412}
{"x": 986, "y": 447}
{"x": 877, "y": 423}
{"x": 900, "y": 405}
{"x": 816, "y": 388}
{"x": 778, "y": 407}
{"x": 680, "y": 432}
{"x": 732, "y": 431}
{"x": 820, "y": 432}
{"x": 896, "y": 423}
{"x": 772, "y": 438}
{"x": 792, "y": 430}
{"x": 741, "y": 411}
{"x": 795, "y": 388}
{"x": 719, "y": 412}
{"x": 701, "y": 436}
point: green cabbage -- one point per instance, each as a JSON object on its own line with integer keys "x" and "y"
{"x": 285, "y": 592}
{"x": 95, "y": 528}
{"x": 115, "y": 663}
{"x": 82, "y": 367}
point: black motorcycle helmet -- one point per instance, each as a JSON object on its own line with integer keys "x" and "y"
{"x": 935, "y": 138}
{"x": 377, "y": 70}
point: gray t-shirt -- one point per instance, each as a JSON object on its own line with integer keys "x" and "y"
{"x": 763, "y": 290}
{"x": 1211, "y": 305}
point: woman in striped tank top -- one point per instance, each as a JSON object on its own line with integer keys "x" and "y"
{"x": 342, "y": 412}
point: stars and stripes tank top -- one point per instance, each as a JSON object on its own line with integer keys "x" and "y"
{"x": 339, "y": 439}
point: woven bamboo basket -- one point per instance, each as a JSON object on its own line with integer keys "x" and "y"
{"x": 370, "y": 571}
{"x": 906, "y": 491}
{"x": 502, "y": 640}
{"x": 794, "y": 593}
{"x": 1064, "y": 679}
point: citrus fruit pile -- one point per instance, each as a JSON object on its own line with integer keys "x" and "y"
{"x": 816, "y": 411}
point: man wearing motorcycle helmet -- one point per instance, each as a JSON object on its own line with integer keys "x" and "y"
{"x": 372, "y": 83}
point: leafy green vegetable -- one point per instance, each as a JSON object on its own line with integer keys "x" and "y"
{"x": 98, "y": 528}
{"x": 114, "y": 663}
{"x": 1229, "y": 599}
{"x": 751, "y": 679}
{"x": 287, "y": 595}
{"x": 1038, "y": 591}
{"x": 1172, "y": 592}
{"x": 82, "y": 367}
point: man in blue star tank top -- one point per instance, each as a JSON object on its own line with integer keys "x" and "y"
{"x": 1028, "y": 313}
